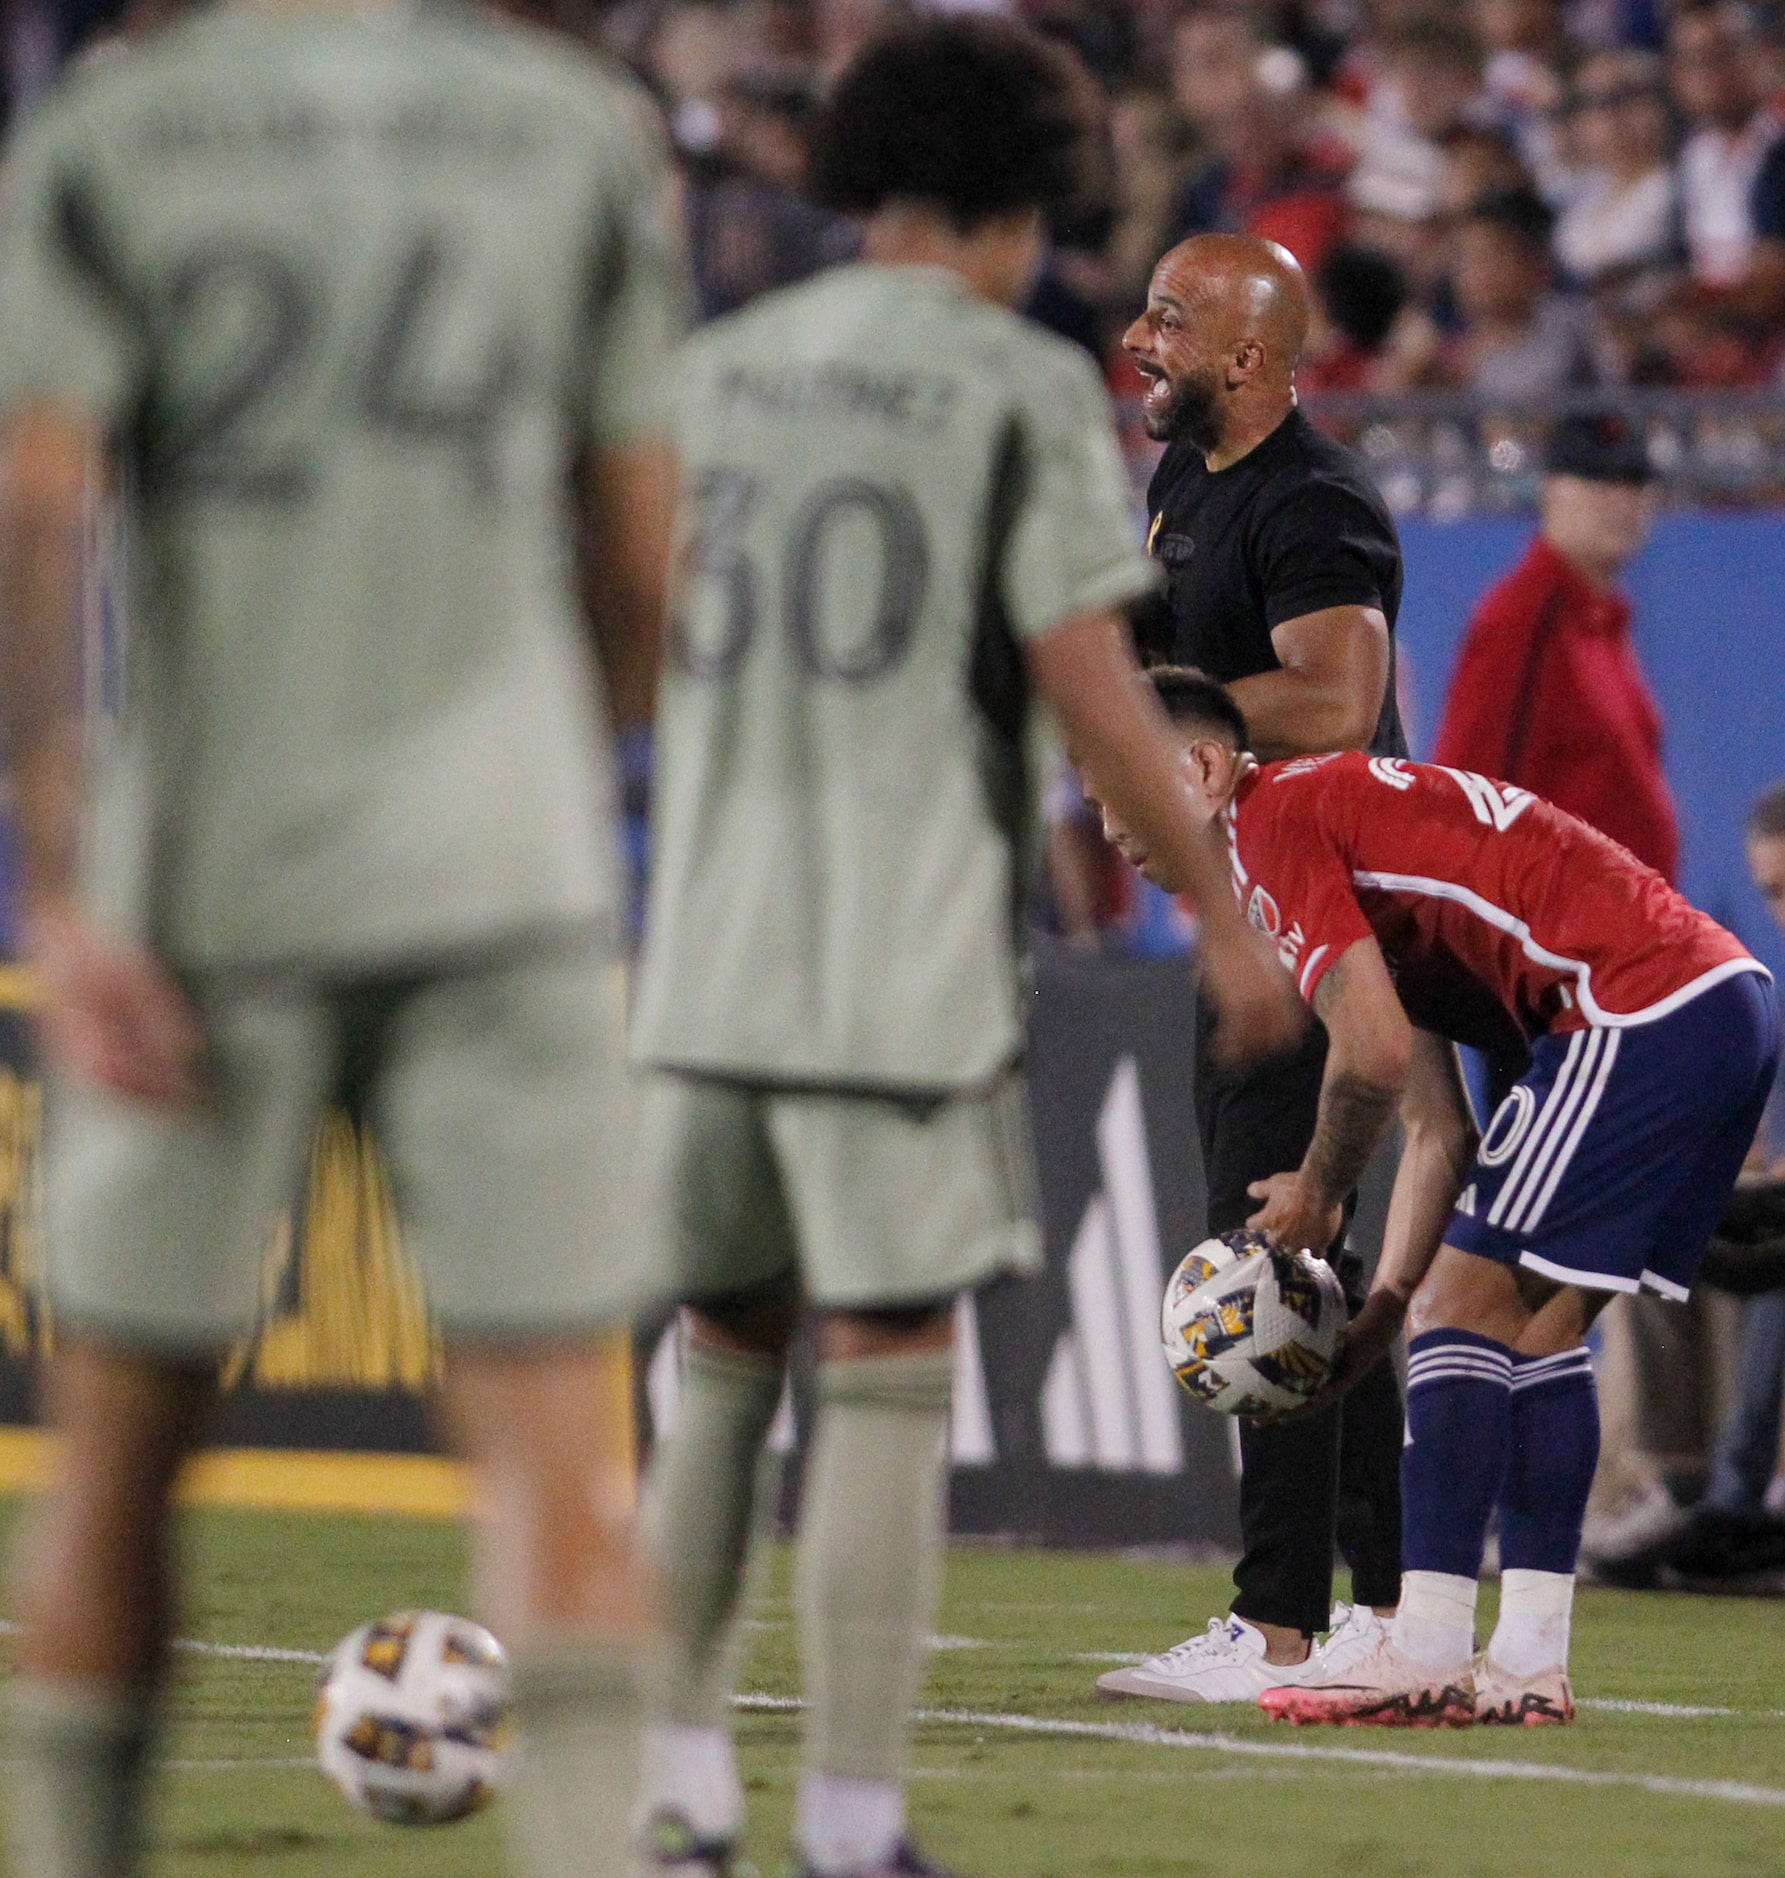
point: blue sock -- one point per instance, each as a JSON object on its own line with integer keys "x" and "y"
{"x": 1554, "y": 1451}
{"x": 1459, "y": 1422}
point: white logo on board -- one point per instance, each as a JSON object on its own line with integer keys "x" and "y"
{"x": 1108, "y": 1400}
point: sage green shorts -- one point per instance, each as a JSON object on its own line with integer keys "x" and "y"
{"x": 499, "y": 1096}
{"x": 865, "y": 1200}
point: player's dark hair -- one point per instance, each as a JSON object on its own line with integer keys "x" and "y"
{"x": 1193, "y": 697}
{"x": 1766, "y": 819}
{"x": 979, "y": 116}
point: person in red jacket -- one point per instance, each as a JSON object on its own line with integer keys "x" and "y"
{"x": 1548, "y": 694}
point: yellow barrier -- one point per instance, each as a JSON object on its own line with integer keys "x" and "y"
{"x": 343, "y": 1309}
{"x": 277, "y": 1479}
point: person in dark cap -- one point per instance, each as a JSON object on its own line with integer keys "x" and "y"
{"x": 1547, "y": 692}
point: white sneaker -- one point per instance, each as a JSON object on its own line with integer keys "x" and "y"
{"x": 1352, "y": 1633}
{"x": 1225, "y": 1664}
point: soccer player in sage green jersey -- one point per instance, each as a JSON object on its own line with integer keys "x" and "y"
{"x": 371, "y": 309}
{"x": 904, "y": 515}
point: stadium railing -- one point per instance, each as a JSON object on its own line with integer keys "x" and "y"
{"x": 1450, "y": 454}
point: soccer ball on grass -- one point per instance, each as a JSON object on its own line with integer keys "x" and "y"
{"x": 1251, "y": 1329}
{"x": 412, "y": 1718}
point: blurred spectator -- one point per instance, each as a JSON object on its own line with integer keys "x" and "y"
{"x": 689, "y": 50}
{"x": 1479, "y": 163}
{"x": 1526, "y": 49}
{"x": 1361, "y": 338}
{"x": 1262, "y": 171}
{"x": 1611, "y": 23}
{"x": 1104, "y": 33}
{"x": 1430, "y": 85}
{"x": 1622, "y": 235}
{"x": 1520, "y": 341}
{"x": 1738, "y": 1527}
{"x": 1747, "y": 1455}
{"x": 1719, "y": 87}
{"x": 751, "y": 226}
{"x": 1547, "y": 692}
{"x": 1150, "y": 147}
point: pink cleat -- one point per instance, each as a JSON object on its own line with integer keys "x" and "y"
{"x": 1382, "y": 1690}
{"x": 1504, "y": 1700}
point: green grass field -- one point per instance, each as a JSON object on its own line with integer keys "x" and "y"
{"x": 1216, "y": 1792}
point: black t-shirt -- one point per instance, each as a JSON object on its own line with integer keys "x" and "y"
{"x": 1294, "y": 526}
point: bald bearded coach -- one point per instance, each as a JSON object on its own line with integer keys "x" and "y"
{"x": 1282, "y": 579}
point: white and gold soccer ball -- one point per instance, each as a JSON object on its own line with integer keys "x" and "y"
{"x": 1251, "y": 1329}
{"x": 413, "y": 1721}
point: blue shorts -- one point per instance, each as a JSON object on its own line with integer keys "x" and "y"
{"x": 1608, "y": 1163}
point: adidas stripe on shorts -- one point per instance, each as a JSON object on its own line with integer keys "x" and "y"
{"x": 1609, "y": 1161}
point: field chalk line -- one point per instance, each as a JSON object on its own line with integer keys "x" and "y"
{"x": 1144, "y": 1734}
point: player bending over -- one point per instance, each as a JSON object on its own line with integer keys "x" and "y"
{"x": 1420, "y": 906}
{"x": 356, "y": 296}
{"x": 905, "y": 517}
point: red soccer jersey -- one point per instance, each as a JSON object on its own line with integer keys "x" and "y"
{"x": 1493, "y": 909}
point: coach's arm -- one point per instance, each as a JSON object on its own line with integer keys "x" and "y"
{"x": 1328, "y": 695}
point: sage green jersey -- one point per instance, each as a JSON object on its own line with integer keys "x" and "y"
{"x": 889, "y": 486}
{"x": 353, "y": 289}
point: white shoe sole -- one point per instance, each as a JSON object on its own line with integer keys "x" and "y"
{"x": 1120, "y": 1683}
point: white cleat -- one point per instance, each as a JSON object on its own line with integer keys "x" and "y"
{"x": 1225, "y": 1664}
{"x": 1353, "y": 1631}
{"x": 1504, "y": 1700}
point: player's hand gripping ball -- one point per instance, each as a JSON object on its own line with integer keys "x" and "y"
{"x": 412, "y": 1718}
{"x": 1251, "y": 1329}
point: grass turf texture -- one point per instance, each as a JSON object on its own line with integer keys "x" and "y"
{"x": 239, "y": 1795}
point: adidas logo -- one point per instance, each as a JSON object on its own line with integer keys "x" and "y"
{"x": 1108, "y": 1399}
{"x": 1466, "y": 1200}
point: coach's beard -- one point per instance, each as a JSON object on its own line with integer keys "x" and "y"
{"x": 1184, "y": 411}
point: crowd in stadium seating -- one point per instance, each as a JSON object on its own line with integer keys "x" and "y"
{"x": 1515, "y": 197}
{"x": 1518, "y": 197}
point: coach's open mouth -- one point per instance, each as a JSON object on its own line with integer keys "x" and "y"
{"x": 1158, "y": 391}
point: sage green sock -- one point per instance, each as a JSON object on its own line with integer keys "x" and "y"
{"x": 703, "y": 1489}
{"x": 80, "y": 1754}
{"x": 569, "y": 1808}
{"x": 870, "y": 1563}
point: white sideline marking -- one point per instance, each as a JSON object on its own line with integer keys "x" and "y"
{"x": 1678, "y": 1710}
{"x": 240, "y": 1652}
{"x": 235, "y": 1767}
{"x": 249, "y": 1652}
{"x": 1143, "y": 1734}
{"x": 1146, "y": 1735}
{"x": 265, "y": 1653}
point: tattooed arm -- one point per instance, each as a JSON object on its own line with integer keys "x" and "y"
{"x": 109, "y": 1013}
{"x": 1369, "y": 1048}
